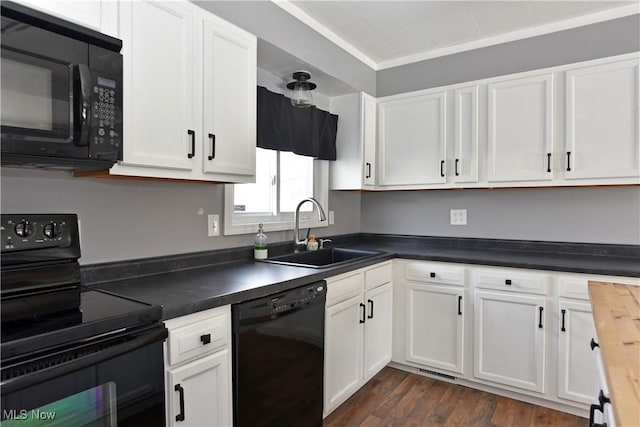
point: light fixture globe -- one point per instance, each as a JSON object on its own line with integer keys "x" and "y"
{"x": 301, "y": 89}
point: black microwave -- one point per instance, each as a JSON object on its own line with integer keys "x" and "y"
{"x": 61, "y": 93}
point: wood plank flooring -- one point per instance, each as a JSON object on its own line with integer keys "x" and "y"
{"x": 398, "y": 398}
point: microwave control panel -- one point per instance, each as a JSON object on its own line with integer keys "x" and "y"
{"x": 106, "y": 92}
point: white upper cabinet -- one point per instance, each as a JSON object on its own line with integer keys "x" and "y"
{"x": 602, "y": 121}
{"x": 412, "y": 139}
{"x": 355, "y": 166}
{"x": 465, "y": 135}
{"x": 190, "y": 94}
{"x": 99, "y": 15}
{"x": 520, "y": 129}
{"x": 159, "y": 84}
{"x": 229, "y": 91}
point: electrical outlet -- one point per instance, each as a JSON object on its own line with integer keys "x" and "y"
{"x": 213, "y": 225}
{"x": 458, "y": 216}
{"x": 332, "y": 218}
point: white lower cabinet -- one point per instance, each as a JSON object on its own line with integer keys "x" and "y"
{"x": 433, "y": 315}
{"x": 435, "y": 326}
{"x": 342, "y": 352}
{"x": 198, "y": 369}
{"x": 358, "y": 321}
{"x": 199, "y": 394}
{"x": 377, "y": 331}
{"x": 576, "y": 361}
{"x": 509, "y": 340}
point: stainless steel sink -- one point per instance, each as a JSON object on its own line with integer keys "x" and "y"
{"x": 322, "y": 257}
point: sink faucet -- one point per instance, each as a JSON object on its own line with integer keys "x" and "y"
{"x": 296, "y": 230}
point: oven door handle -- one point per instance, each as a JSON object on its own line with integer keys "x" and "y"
{"x": 149, "y": 337}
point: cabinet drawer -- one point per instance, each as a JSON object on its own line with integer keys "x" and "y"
{"x": 198, "y": 338}
{"x": 435, "y": 273}
{"x": 377, "y": 276}
{"x": 341, "y": 288}
{"x": 513, "y": 281}
{"x": 573, "y": 287}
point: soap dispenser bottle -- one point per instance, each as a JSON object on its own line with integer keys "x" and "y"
{"x": 260, "y": 244}
{"x": 312, "y": 244}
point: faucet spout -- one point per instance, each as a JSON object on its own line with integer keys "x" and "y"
{"x": 296, "y": 231}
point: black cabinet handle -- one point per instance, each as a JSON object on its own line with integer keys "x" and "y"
{"x": 548, "y": 162}
{"x": 593, "y": 344}
{"x": 363, "y": 308}
{"x": 441, "y": 167}
{"x": 180, "y": 390}
{"x": 602, "y": 400}
{"x": 592, "y": 414}
{"x": 370, "y": 316}
{"x": 193, "y": 143}
{"x": 212, "y": 138}
{"x": 368, "y": 175}
{"x": 457, "y": 161}
{"x": 568, "y": 161}
{"x": 432, "y": 274}
{"x": 205, "y": 339}
{"x": 540, "y": 318}
{"x": 563, "y": 311}
{"x": 507, "y": 282}
{"x": 460, "y": 305}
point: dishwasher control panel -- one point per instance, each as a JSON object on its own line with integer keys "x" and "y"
{"x": 298, "y": 297}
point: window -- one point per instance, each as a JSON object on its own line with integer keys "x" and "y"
{"x": 283, "y": 179}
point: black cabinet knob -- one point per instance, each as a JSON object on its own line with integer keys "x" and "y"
{"x": 206, "y": 339}
{"x": 507, "y": 282}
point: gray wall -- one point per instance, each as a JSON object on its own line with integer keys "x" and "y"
{"x": 590, "y": 214}
{"x": 564, "y": 47}
{"x": 127, "y": 219}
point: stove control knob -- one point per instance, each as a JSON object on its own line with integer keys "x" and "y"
{"x": 51, "y": 230}
{"x": 23, "y": 229}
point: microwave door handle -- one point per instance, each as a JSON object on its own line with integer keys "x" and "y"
{"x": 83, "y": 99}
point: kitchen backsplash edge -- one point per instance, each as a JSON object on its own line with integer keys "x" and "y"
{"x": 106, "y": 272}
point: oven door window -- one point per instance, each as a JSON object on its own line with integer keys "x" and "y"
{"x": 95, "y": 407}
{"x": 37, "y": 98}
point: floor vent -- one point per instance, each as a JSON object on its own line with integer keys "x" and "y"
{"x": 426, "y": 371}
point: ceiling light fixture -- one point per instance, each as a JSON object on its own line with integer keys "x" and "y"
{"x": 301, "y": 89}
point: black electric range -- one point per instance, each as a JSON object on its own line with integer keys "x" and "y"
{"x": 60, "y": 340}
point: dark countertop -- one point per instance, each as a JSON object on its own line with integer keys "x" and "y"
{"x": 189, "y": 283}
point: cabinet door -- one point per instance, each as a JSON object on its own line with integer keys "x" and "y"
{"x": 465, "y": 162}
{"x": 413, "y": 140}
{"x": 86, "y": 13}
{"x": 204, "y": 386}
{"x": 576, "y": 361}
{"x": 229, "y": 91}
{"x": 369, "y": 139}
{"x": 377, "y": 330}
{"x": 602, "y": 121}
{"x": 435, "y": 326}
{"x": 158, "y": 80}
{"x": 509, "y": 340}
{"x": 343, "y": 341}
{"x": 520, "y": 129}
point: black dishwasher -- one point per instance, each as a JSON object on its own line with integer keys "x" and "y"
{"x": 278, "y": 358}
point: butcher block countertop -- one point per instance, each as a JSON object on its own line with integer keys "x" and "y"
{"x": 616, "y": 310}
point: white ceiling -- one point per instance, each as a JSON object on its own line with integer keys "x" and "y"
{"x": 390, "y": 33}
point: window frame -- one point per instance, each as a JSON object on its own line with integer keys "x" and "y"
{"x": 285, "y": 221}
